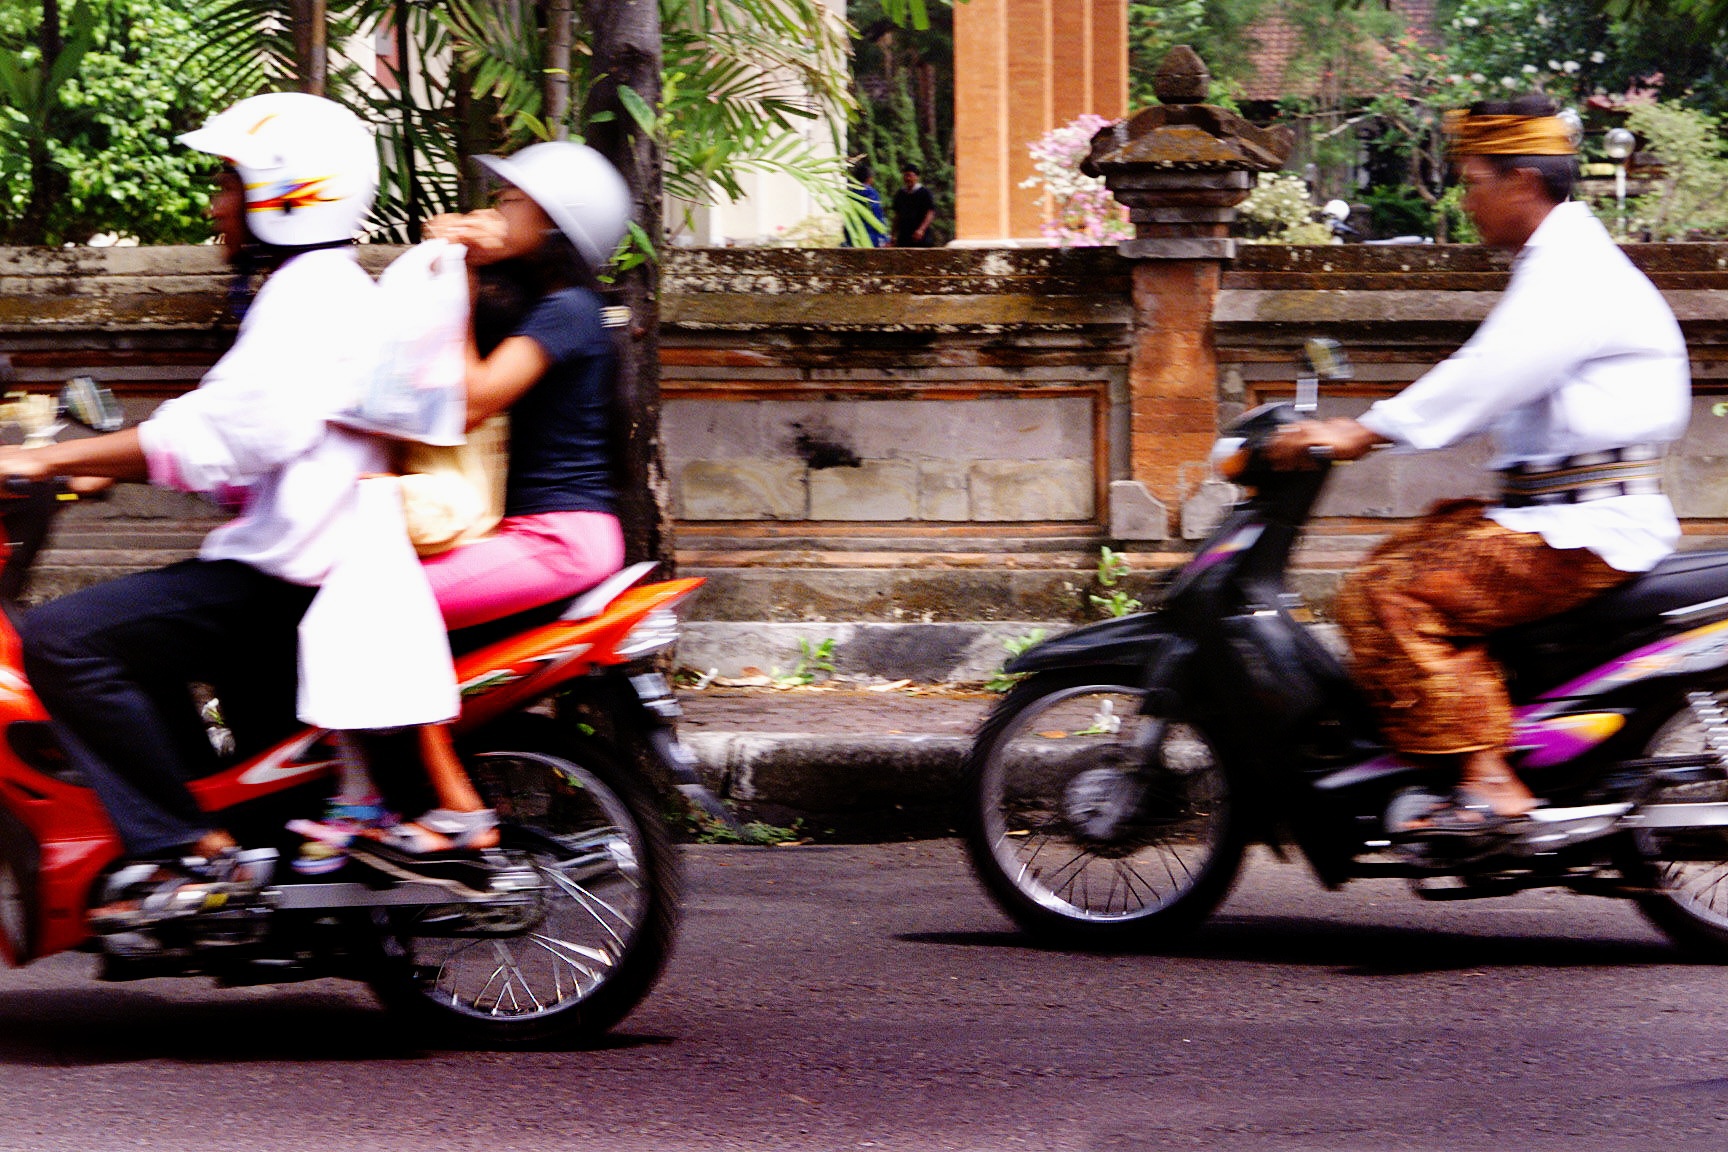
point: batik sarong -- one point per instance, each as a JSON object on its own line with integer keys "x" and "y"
{"x": 1416, "y": 614}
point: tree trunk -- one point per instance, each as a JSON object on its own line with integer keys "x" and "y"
{"x": 405, "y": 106}
{"x": 557, "y": 90}
{"x": 625, "y": 37}
{"x": 311, "y": 57}
{"x": 47, "y": 182}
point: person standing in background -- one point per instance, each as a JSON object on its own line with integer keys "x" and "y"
{"x": 914, "y": 211}
{"x": 865, "y": 191}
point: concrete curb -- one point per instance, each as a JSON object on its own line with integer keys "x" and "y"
{"x": 925, "y": 653}
{"x": 852, "y": 788}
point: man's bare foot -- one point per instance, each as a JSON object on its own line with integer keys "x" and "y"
{"x": 1488, "y": 777}
{"x": 213, "y": 844}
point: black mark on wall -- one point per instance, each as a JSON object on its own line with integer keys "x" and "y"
{"x": 820, "y": 448}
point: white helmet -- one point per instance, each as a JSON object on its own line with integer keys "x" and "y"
{"x": 577, "y": 187}
{"x": 309, "y": 165}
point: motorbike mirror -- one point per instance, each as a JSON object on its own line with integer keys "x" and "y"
{"x": 91, "y": 405}
{"x": 1326, "y": 359}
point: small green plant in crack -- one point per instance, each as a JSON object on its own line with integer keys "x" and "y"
{"x": 1112, "y": 567}
{"x": 813, "y": 660}
{"x": 1001, "y": 681}
{"x": 752, "y": 832}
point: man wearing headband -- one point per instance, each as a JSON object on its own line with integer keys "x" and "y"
{"x": 1581, "y": 377}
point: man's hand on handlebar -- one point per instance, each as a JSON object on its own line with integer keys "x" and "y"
{"x": 1299, "y": 445}
{"x": 26, "y": 464}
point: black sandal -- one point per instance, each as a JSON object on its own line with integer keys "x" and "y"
{"x": 1468, "y": 815}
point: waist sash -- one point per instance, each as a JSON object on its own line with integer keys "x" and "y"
{"x": 1635, "y": 470}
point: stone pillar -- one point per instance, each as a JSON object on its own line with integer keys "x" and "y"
{"x": 1022, "y": 67}
{"x": 1180, "y": 167}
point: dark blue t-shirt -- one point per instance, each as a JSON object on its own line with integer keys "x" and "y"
{"x": 560, "y": 448}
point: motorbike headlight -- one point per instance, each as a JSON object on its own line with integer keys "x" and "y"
{"x": 1229, "y": 458}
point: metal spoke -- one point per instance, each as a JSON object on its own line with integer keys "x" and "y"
{"x": 577, "y": 936}
{"x": 1056, "y": 809}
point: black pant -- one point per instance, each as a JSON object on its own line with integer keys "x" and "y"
{"x": 114, "y": 664}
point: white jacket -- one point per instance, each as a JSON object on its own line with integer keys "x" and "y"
{"x": 257, "y": 421}
{"x": 1581, "y": 354}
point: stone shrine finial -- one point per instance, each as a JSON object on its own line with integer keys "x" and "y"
{"x": 1182, "y": 166}
{"x": 1182, "y": 78}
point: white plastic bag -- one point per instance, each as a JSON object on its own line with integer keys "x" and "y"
{"x": 373, "y": 650}
{"x": 416, "y": 390}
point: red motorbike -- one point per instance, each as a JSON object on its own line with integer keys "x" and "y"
{"x": 567, "y": 731}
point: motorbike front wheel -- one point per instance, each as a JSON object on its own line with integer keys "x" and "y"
{"x": 593, "y": 939}
{"x": 1683, "y": 873}
{"x": 1091, "y": 824}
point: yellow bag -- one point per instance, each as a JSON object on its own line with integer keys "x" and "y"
{"x": 454, "y": 495}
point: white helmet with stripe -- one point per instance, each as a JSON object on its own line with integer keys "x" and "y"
{"x": 309, "y": 166}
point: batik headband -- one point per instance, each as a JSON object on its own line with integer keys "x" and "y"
{"x": 1469, "y": 135}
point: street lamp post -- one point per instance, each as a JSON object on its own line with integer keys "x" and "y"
{"x": 1618, "y": 143}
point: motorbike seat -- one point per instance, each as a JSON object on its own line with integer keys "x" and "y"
{"x": 477, "y": 636}
{"x": 1680, "y": 581}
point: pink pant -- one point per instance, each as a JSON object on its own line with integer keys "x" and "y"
{"x": 530, "y": 560}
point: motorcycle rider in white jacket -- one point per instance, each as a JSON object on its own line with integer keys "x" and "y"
{"x": 1581, "y": 376}
{"x": 112, "y": 662}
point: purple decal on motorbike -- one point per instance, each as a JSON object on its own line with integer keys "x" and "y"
{"x": 1239, "y": 541}
{"x": 1694, "y": 651}
{"x": 1560, "y": 738}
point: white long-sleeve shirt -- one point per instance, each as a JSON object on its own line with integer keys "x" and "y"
{"x": 258, "y": 420}
{"x": 1580, "y": 355}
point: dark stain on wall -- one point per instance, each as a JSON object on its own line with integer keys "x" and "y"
{"x": 821, "y": 448}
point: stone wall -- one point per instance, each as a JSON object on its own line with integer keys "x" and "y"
{"x": 878, "y": 391}
{"x": 1398, "y": 310}
{"x": 886, "y": 435}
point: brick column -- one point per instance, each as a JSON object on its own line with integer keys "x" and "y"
{"x": 1181, "y": 167}
{"x": 1022, "y": 67}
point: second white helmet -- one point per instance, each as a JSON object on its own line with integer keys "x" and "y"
{"x": 309, "y": 166}
{"x": 577, "y": 187}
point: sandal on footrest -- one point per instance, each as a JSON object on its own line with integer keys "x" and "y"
{"x": 438, "y": 848}
{"x": 150, "y": 892}
{"x": 1469, "y": 815}
{"x": 442, "y": 829}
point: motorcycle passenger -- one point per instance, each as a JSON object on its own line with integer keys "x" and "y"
{"x": 1581, "y": 375}
{"x": 543, "y": 352}
{"x": 112, "y": 663}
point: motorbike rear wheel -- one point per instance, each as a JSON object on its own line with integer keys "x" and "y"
{"x": 1086, "y": 832}
{"x": 603, "y": 925}
{"x": 1684, "y": 872}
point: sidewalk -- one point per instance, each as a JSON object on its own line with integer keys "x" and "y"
{"x": 850, "y": 762}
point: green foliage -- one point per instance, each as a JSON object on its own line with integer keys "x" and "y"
{"x": 1219, "y": 30}
{"x": 748, "y": 86}
{"x": 1398, "y": 210}
{"x": 1112, "y": 567}
{"x": 1691, "y": 200}
{"x": 1460, "y": 229}
{"x": 903, "y": 85}
{"x": 753, "y": 832}
{"x": 1001, "y": 681}
{"x": 87, "y": 145}
{"x": 813, "y": 659}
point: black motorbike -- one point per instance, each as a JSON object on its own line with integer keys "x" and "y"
{"x": 1110, "y": 796}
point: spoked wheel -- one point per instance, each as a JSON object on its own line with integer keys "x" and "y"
{"x": 1092, "y": 825}
{"x": 582, "y": 946}
{"x": 1685, "y": 871}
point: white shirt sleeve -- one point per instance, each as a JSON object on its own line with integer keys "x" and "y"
{"x": 260, "y": 406}
{"x": 1529, "y": 344}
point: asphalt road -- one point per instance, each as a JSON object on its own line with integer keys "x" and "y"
{"x": 869, "y": 997}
